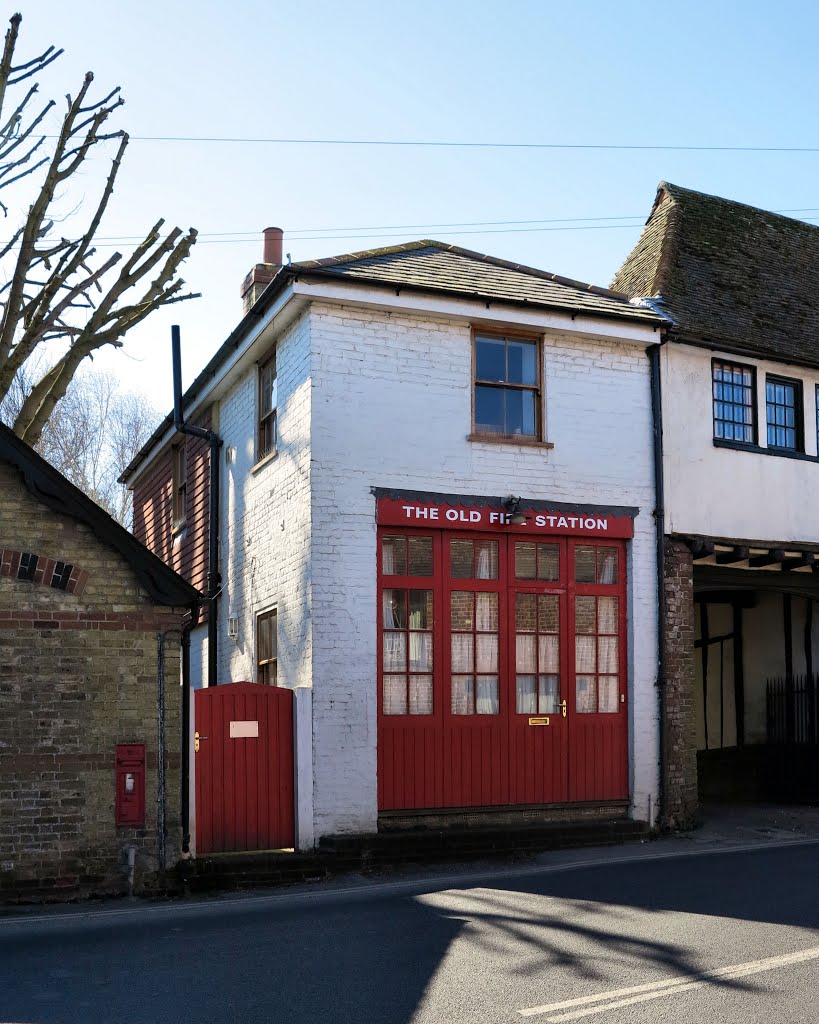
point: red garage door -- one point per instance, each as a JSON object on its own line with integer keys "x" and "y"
{"x": 244, "y": 768}
{"x": 502, "y": 669}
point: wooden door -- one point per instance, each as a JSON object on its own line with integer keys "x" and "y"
{"x": 537, "y": 681}
{"x": 244, "y": 768}
{"x": 502, "y": 670}
{"x": 597, "y": 697}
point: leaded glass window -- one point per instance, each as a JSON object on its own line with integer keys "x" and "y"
{"x": 783, "y": 413}
{"x": 734, "y": 387}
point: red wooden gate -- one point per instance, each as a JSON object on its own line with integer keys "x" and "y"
{"x": 502, "y": 669}
{"x": 244, "y": 768}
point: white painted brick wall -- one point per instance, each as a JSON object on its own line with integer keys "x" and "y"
{"x": 391, "y": 408}
{"x": 265, "y": 519}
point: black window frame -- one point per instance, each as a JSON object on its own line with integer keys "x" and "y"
{"x": 733, "y": 367}
{"x": 267, "y": 428}
{"x": 534, "y": 339}
{"x": 816, "y": 391}
{"x": 799, "y": 412}
{"x": 267, "y": 668}
{"x": 179, "y": 511}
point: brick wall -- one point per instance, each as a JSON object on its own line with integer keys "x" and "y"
{"x": 78, "y": 675}
{"x": 184, "y": 550}
{"x": 679, "y": 725}
{"x": 265, "y": 518}
{"x": 391, "y": 407}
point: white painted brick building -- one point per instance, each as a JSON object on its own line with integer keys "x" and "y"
{"x": 376, "y": 397}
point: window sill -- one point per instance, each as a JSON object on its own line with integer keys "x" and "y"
{"x": 263, "y": 462}
{"x": 783, "y": 453}
{"x": 179, "y": 532}
{"x": 523, "y": 442}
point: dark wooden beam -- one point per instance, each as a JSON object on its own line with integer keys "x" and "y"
{"x": 701, "y": 548}
{"x": 774, "y": 556}
{"x": 728, "y": 557}
{"x": 739, "y": 676}
{"x": 805, "y": 558}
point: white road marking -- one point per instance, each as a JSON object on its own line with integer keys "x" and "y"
{"x": 616, "y": 998}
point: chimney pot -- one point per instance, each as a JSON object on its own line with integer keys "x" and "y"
{"x": 273, "y": 246}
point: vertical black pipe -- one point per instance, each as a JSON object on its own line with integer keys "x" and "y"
{"x": 659, "y": 521}
{"x": 161, "y": 824}
{"x": 185, "y": 782}
{"x": 214, "y": 577}
{"x": 215, "y": 443}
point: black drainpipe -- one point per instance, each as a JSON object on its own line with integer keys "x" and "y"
{"x": 215, "y": 443}
{"x": 659, "y": 518}
{"x": 185, "y": 794}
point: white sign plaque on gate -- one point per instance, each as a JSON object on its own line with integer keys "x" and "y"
{"x": 238, "y": 730}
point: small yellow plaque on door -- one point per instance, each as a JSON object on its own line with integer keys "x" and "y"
{"x": 543, "y": 720}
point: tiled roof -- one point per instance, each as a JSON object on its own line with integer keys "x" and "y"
{"x": 437, "y": 267}
{"x": 729, "y": 274}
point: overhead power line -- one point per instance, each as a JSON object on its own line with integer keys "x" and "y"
{"x": 321, "y": 234}
{"x": 452, "y": 144}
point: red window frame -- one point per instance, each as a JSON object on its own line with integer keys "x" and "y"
{"x": 506, "y": 586}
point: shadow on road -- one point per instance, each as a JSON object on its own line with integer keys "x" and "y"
{"x": 462, "y": 954}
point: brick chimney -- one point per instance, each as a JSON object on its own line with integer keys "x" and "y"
{"x": 263, "y": 273}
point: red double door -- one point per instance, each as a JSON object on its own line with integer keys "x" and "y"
{"x": 502, "y": 670}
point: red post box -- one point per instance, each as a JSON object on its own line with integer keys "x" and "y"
{"x": 129, "y": 804}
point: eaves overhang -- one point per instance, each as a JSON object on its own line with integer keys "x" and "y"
{"x": 734, "y": 348}
{"x": 289, "y": 277}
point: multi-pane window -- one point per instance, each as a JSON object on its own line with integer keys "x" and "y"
{"x": 180, "y": 485}
{"x": 407, "y": 651}
{"x": 506, "y": 627}
{"x": 596, "y": 628}
{"x": 507, "y": 386}
{"x": 473, "y": 559}
{"x": 783, "y": 413}
{"x": 734, "y": 391}
{"x": 406, "y": 556}
{"x": 537, "y": 653}
{"x": 474, "y": 628}
{"x": 817, "y": 416}
{"x": 596, "y": 654}
{"x": 537, "y": 561}
{"x": 267, "y": 647}
{"x": 267, "y": 408}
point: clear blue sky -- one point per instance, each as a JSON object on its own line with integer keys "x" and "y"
{"x": 632, "y": 73}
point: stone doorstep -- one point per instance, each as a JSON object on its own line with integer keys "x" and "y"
{"x": 338, "y": 854}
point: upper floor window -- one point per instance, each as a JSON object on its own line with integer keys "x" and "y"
{"x": 267, "y": 408}
{"x": 507, "y": 387}
{"x": 267, "y": 648}
{"x": 180, "y": 485}
{"x": 817, "y": 416}
{"x": 734, "y": 389}
{"x": 783, "y": 413}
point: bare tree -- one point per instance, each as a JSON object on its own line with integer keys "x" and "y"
{"x": 56, "y": 294}
{"x": 94, "y": 432}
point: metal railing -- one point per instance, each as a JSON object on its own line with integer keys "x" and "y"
{"x": 792, "y": 710}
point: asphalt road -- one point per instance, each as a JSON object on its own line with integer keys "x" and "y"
{"x": 722, "y": 937}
